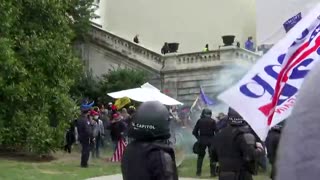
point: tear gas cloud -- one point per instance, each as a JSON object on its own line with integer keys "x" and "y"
{"x": 228, "y": 76}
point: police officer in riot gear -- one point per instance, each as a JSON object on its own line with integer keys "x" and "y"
{"x": 236, "y": 149}
{"x": 150, "y": 155}
{"x": 272, "y": 142}
{"x": 204, "y": 132}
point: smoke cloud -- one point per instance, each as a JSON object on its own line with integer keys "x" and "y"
{"x": 228, "y": 76}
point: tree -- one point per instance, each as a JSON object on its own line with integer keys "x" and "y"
{"x": 37, "y": 69}
{"x": 80, "y": 12}
{"x": 122, "y": 79}
{"x": 86, "y": 86}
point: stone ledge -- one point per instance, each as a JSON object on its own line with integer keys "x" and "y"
{"x": 125, "y": 47}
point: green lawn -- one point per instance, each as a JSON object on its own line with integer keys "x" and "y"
{"x": 188, "y": 169}
{"x": 66, "y": 166}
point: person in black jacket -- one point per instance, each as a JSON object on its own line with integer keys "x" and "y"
{"x": 70, "y": 136}
{"x": 236, "y": 149}
{"x": 204, "y": 132}
{"x": 150, "y": 155}
{"x": 272, "y": 142}
{"x": 85, "y": 133}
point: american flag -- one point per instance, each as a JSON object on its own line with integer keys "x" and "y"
{"x": 117, "y": 155}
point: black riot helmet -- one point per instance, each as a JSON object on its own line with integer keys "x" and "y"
{"x": 235, "y": 119}
{"x": 151, "y": 122}
{"x": 206, "y": 113}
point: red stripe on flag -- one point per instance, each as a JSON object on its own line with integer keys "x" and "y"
{"x": 283, "y": 76}
{"x": 267, "y": 109}
{"x": 117, "y": 155}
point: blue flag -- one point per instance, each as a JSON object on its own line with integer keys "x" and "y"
{"x": 205, "y": 99}
{"x": 290, "y": 23}
{"x": 201, "y": 101}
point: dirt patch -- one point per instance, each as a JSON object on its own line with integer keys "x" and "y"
{"x": 25, "y": 157}
{"x": 46, "y": 171}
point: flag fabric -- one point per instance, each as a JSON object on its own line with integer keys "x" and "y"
{"x": 120, "y": 103}
{"x": 272, "y": 14}
{"x": 205, "y": 99}
{"x": 290, "y": 23}
{"x": 117, "y": 155}
{"x": 201, "y": 101}
{"x": 266, "y": 94}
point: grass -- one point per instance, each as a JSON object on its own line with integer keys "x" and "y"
{"x": 188, "y": 169}
{"x": 66, "y": 166}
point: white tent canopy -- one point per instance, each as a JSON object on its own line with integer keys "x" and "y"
{"x": 146, "y": 92}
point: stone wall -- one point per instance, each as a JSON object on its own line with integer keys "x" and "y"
{"x": 106, "y": 52}
{"x": 179, "y": 75}
{"x": 214, "y": 71}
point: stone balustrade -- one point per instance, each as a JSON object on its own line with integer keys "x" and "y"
{"x": 127, "y": 48}
{"x": 198, "y": 60}
{"x": 170, "y": 62}
{"x": 198, "y": 57}
{"x": 246, "y": 55}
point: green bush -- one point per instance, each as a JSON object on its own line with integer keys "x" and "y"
{"x": 121, "y": 79}
{"x": 96, "y": 88}
{"x": 37, "y": 69}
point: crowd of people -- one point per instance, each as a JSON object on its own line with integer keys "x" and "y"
{"x": 96, "y": 126}
{"x": 234, "y": 149}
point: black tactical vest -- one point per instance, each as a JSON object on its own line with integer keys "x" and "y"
{"x": 228, "y": 150}
{"x": 135, "y": 160}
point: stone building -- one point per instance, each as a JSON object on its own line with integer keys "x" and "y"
{"x": 192, "y": 24}
{"x": 180, "y": 75}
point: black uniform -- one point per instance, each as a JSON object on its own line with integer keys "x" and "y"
{"x": 85, "y": 136}
{"x": 204, "y": 132}
{"x": 156, "y": 162}
{"x": 272, "y": 142}
{"x": 149, "y": 156}
{"x": 235, "y": 149}
{"x": 70, "y": 136}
